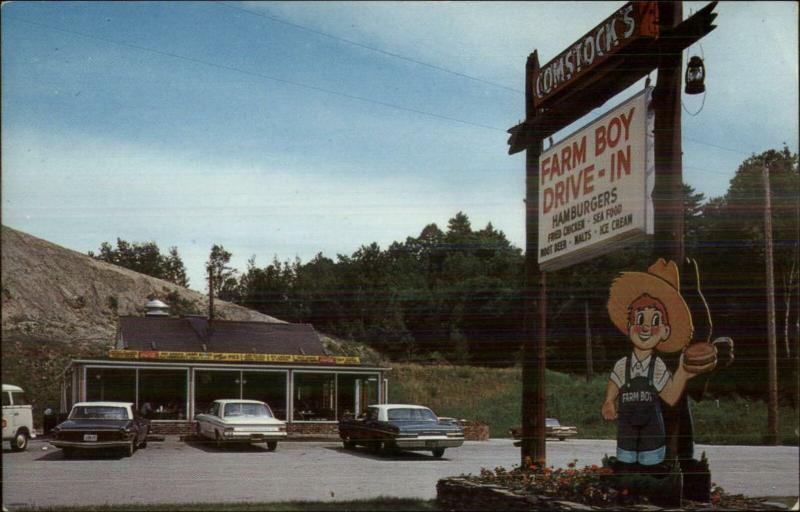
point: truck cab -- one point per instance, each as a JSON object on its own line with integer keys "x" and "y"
{"x": 17, "y": 418}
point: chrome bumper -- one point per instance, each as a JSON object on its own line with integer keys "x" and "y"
{"x": 428, "y": 442}
{"x": 89, "y": 445}
{"x": 254, "y": 437}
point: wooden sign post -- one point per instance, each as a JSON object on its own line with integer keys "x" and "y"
{"x": 636, "y": 39}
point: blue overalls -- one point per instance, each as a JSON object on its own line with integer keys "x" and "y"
{"x": 640, "y": 426}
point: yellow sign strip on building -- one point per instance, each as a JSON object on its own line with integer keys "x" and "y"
{"x": 228, "y": 357}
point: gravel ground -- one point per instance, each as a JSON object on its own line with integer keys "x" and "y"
{"x": 177, "y": 472}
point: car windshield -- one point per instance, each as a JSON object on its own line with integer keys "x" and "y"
{"x": 98, "y": 412}
{"x": 411, "y": 415}
{"x": 552, "y": 422}
{"x": 256, "y": 410}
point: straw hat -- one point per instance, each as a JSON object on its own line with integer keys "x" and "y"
{"x": 663, "y": 283}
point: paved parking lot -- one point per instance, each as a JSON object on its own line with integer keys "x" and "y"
{"x": 172, "y": 471}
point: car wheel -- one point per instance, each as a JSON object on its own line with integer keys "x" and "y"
{"x": 272, "y": 445}
{"x": 561, "y": 438}
{"x": 388, "y": 448}
{"x": 438, "y": 452}
{"x": 128, "y": 450}
{"x": 218, "y": 440}
{"x": 20, "y": 441}
{"x": 348, "y": 444}
{"x": 68, "y": 453}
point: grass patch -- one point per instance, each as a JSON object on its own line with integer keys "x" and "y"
{"x": 736, "y": 420}
{"x": 493, "y": 396}
{"x": 378, "y": 504}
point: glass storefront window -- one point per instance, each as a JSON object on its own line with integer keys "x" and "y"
{"x": 269, "y": 387}
{"x": 110, "y": 385}
{"x": 355, "y": 393}
{"x": 314, "y": 397}
{"x": 210, "y": 385}
{"x": 163, "y": 394}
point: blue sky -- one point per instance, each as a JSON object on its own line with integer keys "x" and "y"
{"x": 191, "y": 124}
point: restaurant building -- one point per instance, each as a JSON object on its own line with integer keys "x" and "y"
{"x": 173, "y": 368}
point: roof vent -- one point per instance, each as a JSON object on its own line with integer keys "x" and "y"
{"x": 156, "y": 308}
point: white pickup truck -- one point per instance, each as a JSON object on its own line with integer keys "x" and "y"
{"x": 17, "y": 418}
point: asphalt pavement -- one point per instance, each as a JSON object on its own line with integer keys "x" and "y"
{"x": 177, "y": 472}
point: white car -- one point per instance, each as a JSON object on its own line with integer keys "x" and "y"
{"x": 242, "y": 421}
{"x": 17, "y": 418}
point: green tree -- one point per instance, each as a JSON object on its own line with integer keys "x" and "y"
{"x": 145, "y": 258}
{"x": 223, "y": 277}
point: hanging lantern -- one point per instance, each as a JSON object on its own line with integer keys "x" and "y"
{"x": 695, "y": 76}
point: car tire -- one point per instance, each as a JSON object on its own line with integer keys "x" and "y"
{"x": 20, "y": 441}
{"x": 388, "y": 448}
{"x": 218, "y": 440}
{"x": 272, "y": 445}
{"x": 128, "y": 450}
{"x": 561, "y": 438}
{"x": 438, "y": 452}
{"x": 348, "y": 444}
{"x": 68, "y": 453}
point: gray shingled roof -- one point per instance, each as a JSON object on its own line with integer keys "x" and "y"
{"x": 190, "y": 334}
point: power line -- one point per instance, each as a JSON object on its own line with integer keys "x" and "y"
{"x": 259, "y": 75}
{"x": 718, "y": 147}
{"x": 367, "y": 47}
{"x": 300, "y": 84}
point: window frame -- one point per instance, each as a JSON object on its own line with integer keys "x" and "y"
{"x": 184, "y": 368}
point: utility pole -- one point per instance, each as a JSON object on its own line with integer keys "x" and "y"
{"x": 533, "y": 348}
{"x": 589, "y": 361}
{"x": 772, "y": 411}
{"x": 210, "y": 293}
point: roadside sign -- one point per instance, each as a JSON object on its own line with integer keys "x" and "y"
{"x": 595, "y": 186}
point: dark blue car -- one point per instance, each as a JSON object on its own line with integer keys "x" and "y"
{"x": 388, "y": 428}
{"x": 101, "y": 425}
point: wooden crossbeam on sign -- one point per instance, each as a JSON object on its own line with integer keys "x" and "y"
{"x": 612, "y": 76}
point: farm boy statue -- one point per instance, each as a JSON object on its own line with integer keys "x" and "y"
{"x": 649, "y": 309}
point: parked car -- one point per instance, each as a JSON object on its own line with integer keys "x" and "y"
{"x": 17, "y": 418}
{"x": 553, "y": 428}
{"x": 241, "y": 421}
{"x": 390, "y": 427}
{"x": 101, "y": 425}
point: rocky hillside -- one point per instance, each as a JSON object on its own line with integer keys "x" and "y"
{"x": 54, "y": 293}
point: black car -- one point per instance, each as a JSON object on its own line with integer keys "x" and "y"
{"x": 101, "y": 425}
{"x": 392, "y": 427}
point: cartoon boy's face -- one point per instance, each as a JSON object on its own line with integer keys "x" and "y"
{"x": 647, "y": 328}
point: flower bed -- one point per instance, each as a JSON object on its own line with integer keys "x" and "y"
{"x": 590, "y": 488}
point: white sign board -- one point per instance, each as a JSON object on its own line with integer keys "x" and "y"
{"x": 595, "y": 186}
